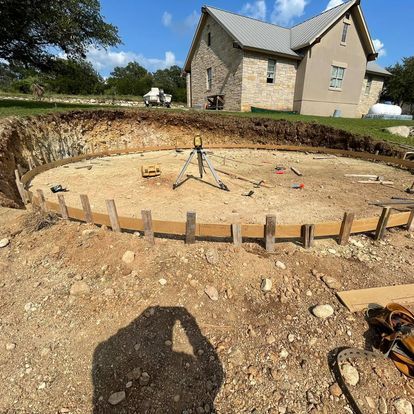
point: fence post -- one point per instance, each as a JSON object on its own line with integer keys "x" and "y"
{"x": 308, "y": 234}
{"x": 42, "y": 200}
{"x": 147, "y": 220}
{"x": 270, "y": 232}
{"x": 410, "y": 224}
{"x": 86, "y": 208}
{"x": 346, "y": 227}
{"x": 63, "y": 207}
{"x": 113, "y": 215}
{"x": 190, "y": 227}
{"x": 20, "y": 187}
{"x": 237, "y": 234}
{"x": 382, "y": 223}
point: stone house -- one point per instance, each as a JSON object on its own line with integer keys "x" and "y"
{"x": 324, "y": 64}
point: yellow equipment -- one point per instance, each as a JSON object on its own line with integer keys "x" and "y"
{"x": 153, "y": 170}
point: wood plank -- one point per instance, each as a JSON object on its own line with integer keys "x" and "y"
{"x": 270, "y": 233}
{"x": 346, "y": 228}
{"x": 62, "y": 207}
{"x": 113, "y": 215}
{"x": 86, "y": 208}
{"x": 311, "y": 237}
{"x": 410, "y": 223}
{"x": 148, "y": 230}
{"x": 358, "y": 300}
{"x": 296, "y": 171}
{"x": 382, "y": 223}
{"x": 306, "y": 236}
{"x": 42, "y": 200}
{"x": 190, "y": 229}
{"x": 236, "y": 231}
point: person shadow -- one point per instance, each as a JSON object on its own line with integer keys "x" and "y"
{"x": 160, "y": 363}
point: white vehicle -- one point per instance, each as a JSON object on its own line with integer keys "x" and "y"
{"x": 157, "y": 97}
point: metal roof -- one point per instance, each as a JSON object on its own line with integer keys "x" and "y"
{"x": 306, "y": 32}
{"x": 252, "y": 33}
{"x": 373, "y": 67}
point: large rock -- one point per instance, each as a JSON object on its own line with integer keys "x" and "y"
{"x": 350, "y": 374}
{"x": 266, "y": 285}
{"x": 212, "y": 256}
{"x": 403, "y": 406}
{"x": 402, "y": 131}
{"x": 128, "y": 257}
{"x": 4, "y": 242}
{"x": 323, "y": 311}
{"x": 116, "y": 397}
{"x": 79, "y": 289}
{"x": 211, "y": 292}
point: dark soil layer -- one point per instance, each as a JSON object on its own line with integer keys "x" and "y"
{"x": 46, "y": 138}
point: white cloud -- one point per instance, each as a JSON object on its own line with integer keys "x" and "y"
{"x": 166, "y": 19}
{"x": 285, "y": 11}
{"x": 379, "y": 47}
{"x": 257, "y": 10}
{"x": 105, "y": 60}
{"x": 181, "y": 26}
{"x": 333, "y": 3}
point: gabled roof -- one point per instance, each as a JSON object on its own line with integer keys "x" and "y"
{"x": 304, "y": 34}
{"x": 373, "y": 67}
{"x": 255, "y": 34}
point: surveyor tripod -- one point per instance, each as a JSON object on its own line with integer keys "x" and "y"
{"x": 201, "y": 157}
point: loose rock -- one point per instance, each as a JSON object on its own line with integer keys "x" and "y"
{"x": 211, "y": 292}
{"x": 4, "y": 243}
{"x": 116, "y": 397}
{"x": 335, "y": 390}
{"x": 10, "y": 346}
{"x": 266, "y": 285}
{"x": 128, "y": 257}
{"x": 212, "y": 256}
{"x": 350, "y": 374}
{"x": 403, "y": 406}
{"x": 79, "y": 289}
{"x": 332, "y": 283}
{"x": 323, "y": 311}
{"x": 280, "y": 265}
{"x": 162, "y": 282}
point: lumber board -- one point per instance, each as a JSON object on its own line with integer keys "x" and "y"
{"x": 148, "y": 229}
{"x": 86, "y": 208}
{"x": 237, "y": 234}
{"x": 62, "y": 207}
{"x": 113, "y": 215}
{"x": 410, "y": 223}
{"x": 296, "y": 171}
{"x": 382, "y": 223}
{"x": 358, "y": 300}
{"x": 241, "y": 177}
{"x": 346, "y": 228}
{"x": 270, "y": 233}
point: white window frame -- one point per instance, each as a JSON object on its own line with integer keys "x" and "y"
{"x": 337, "y": 77}
{"x": 368, "y": 86}
{"x": 209, "y": 78}
{"x": 271, "y": 74}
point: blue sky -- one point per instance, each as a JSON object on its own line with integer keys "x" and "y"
{"x": 158, "y": 34}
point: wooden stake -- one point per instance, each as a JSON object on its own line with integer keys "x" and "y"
{"x": 308, "y": 234}
{"x": 113, "y": 215}
{"x": 147, "y": 220}
{"x": 410, "y": 224}
{"x": 270, "y": 232}
{"x": 190, "y": 227}
{"x": 20, "y": 187}
{"x": 236, "y": 233}
{"x": 86, "y": 208}
{"x": 296, "y": 171}
{"x": 42, "y": 200}
{"x": 346, "y": 227}
{"x": 62, "y": 206}
{"x": 311, "y": 238}
{"x": 382, "y": 223}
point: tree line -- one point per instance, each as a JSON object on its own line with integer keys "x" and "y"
{"x": 78, "y": 77}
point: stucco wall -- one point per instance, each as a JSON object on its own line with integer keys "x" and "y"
{"x": 226, "y": 64}
{"x": 315, "y": 96}
{"x": 367, "y": 100}
{"x": 257, "y": 92}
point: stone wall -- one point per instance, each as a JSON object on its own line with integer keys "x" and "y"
{"x": 367, "y": 100}
{"x": 257, "y": 92}
{"x": 226, "y": 64}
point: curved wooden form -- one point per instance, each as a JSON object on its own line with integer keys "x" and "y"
{"x": 251, "y": 231}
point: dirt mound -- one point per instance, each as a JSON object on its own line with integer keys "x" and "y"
{"x": 42, "y": 139}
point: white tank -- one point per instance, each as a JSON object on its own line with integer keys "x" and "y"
{"x": 384, "y": 109}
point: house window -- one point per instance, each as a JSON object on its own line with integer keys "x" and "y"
{"x": 337, "y": 77}
{"x": 209, "y": 78}
{"x": 271, "y": 71}
{"x": 209, "y": 39}
{"x": 345, "y": 32}
{"x": 368, "y": 86}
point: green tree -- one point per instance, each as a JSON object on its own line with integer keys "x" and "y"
{"x": 29, "y": 30}
{"x": 400, "y": 86}
{"x": 132, "y": 79}
{"x": 172, "y": 82}
{"x": 73, "y": 77}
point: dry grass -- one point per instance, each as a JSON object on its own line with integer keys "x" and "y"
{"x": 39, "y": 220}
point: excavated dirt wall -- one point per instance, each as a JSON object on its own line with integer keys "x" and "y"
{"x": 41, "y": 139}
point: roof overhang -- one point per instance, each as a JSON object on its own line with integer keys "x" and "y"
{"x": 273, "y": 53}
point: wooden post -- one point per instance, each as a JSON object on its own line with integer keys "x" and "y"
{"x": 147, "y": 220}
{"x": 126, "y": 145}
{"x": 308, "y": 231}
{"x": 311, "y": 238}
{"x": 190, "y": 227}
{"x": 62, "y": 206}
{"x": 382, "y": 223}
{"x": 113, "y": 215}
{"x": 42, "y": 200}
{"x": 270, "y": 232}
{"x": 346, "y": 227}
{"x": 29, "y": 161}
{"x": 237, "y": 234}
{"x": 86, "y": 208}
{"x": 20, "y": 187}
{"x": 410, "y": 224}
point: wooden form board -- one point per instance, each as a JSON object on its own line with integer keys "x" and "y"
{"x": 358, "y": 300}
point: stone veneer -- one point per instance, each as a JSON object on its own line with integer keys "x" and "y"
{"x": 366, "y": 101}
{"x": 226, "y": 63}
{"x": 257, "y": 92}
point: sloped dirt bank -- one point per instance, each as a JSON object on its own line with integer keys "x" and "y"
{"x": 41, "y": 139}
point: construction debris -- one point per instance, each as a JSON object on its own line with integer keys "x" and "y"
{"x": 375, "y": 182}
{"x": 88, "y": 167}
{"x": 150, "y": 170}
{"x": 296, "y": 171}
{"x": 298, "y": 186}
{"x": 248, "y": 193}
{"x": 368, "y": 176}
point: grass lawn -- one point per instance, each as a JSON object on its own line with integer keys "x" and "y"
{"x": 370, "y": 127}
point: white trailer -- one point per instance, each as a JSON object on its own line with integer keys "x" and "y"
{"x": 157, "y": 97}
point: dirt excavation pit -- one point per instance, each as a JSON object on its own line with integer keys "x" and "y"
{"x": 326, "y": 195}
